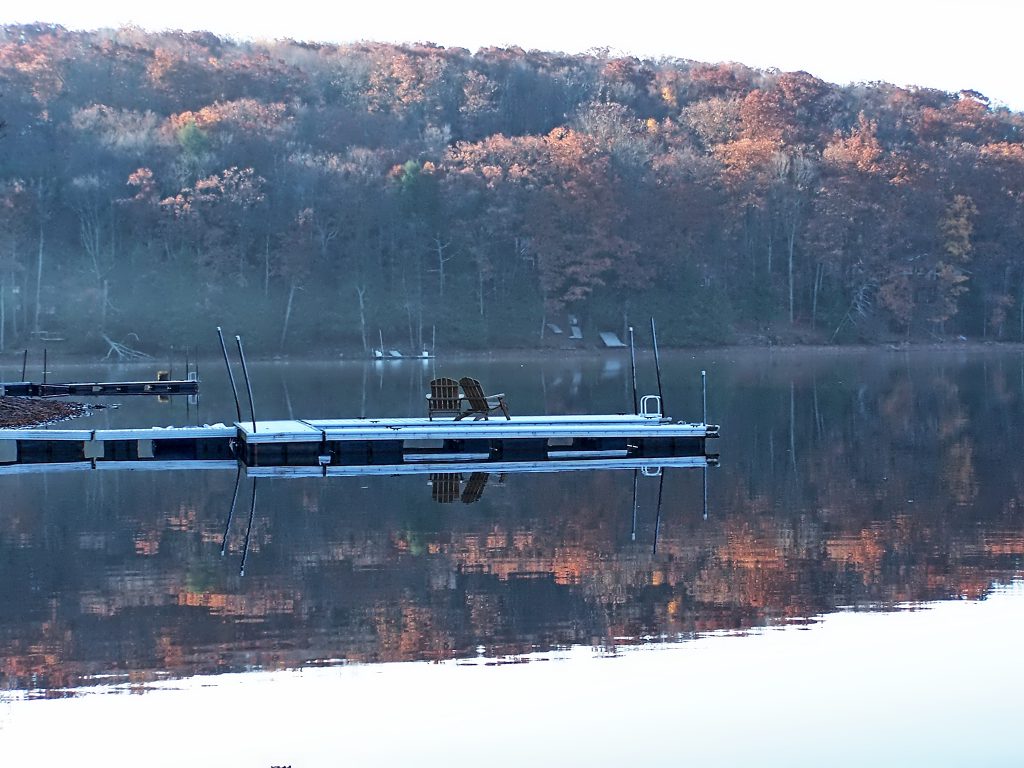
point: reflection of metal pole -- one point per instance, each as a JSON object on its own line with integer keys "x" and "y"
{"x": 636, "y": 480}
{"x": 24, "y": 362}
{"x": 231, "y": 511}
{"x": 657, "y": 519}
{"x": 248, "y": 529}
{"x": 44, "y": 365}
{"x": 704, "y": 393}
{"x": 705, "y": 490}
{"x": 657, "y": 367}
{"x": 231, "y": 376}
{"x": 248, "y": 386}
{"x": 632, "y": 365}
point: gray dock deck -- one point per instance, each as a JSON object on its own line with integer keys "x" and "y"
{"x": 358, "y": 442}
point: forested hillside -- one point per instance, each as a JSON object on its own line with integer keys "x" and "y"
{"x": 313, "y": 195}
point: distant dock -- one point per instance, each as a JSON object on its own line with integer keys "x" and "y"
{"x": 100, "y": 388}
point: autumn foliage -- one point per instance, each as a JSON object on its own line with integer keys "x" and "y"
{"x": 310, "y": 190}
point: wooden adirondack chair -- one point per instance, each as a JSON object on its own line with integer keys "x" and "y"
{"x": 480, "y": 406}
{"x": 444, "y": 398}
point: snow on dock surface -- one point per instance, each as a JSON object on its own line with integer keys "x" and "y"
{"x": 616, "y": 425}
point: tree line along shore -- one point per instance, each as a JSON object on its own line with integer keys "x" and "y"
{"x": 326, "y": 197}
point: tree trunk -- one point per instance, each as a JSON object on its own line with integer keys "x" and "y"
{"x": 287, "y": 314}
{"x": 818, "y": 270}
{"x": 792, "y": 247}
{"x": 361, "y": 293}
{"x": 39, "y": 278}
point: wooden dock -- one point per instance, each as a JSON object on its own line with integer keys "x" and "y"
{"x": 330, "y": 443}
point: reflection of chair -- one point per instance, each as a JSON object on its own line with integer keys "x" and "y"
{"x": 474, "y": 487}
{"x": 444, "y": 486}
{"x": 444, "y": 398}
{"x": 480, "y": 406}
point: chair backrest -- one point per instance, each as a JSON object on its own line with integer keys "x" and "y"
{"x": 474, "y": 393}
{"x": 444, "y": 395}
{"x": 445, "y": 486}
{"x": 474, "y": 487}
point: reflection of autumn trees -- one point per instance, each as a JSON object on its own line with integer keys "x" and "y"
{"x": 844, "y": 484}
{"x": 478, "y": 193}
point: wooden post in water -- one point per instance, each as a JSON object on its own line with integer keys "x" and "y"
{"x": 632, "y": 367}
{"x": 231, "y": 376}
{"x": 248, "y": 386}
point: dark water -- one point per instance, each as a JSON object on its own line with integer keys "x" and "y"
{"x": 849, "y": 483}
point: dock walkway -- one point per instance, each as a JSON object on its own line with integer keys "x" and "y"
{"x": 364, "y": 442}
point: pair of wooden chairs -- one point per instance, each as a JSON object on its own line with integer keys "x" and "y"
{"x": 463, "y": 398}
{"x": 446, "y": 487}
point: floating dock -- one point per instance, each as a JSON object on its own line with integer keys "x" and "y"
{"x": 337, "y": 443}
{"x": 100, "y": 388}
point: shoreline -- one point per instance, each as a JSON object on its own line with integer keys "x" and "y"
{"x": 28, "y": 412}
{"x": 356, "y": 356}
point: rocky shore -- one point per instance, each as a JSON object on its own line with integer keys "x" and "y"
{"x": 34, "y": 412}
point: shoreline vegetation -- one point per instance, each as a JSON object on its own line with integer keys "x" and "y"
{"x": 345, "y": 197}
{"x": 25, "y": 412}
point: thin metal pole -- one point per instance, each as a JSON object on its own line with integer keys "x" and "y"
{"x": 657, "y": 519}
{"x": 186, "y": 362}
{"x": 704, "y": 394}
{"x": 248, "y": 529}
{"x": 636, "y": 481}
{"x": 657, "y": 366}
{"x": 231, "y": 376}
{"x": 632, "y": 366}
{"x": 231, "y": 511}
{"x": 24, "y": 362}
{"x": 248, "y": 386}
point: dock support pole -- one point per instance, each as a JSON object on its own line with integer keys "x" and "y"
{"x": 231, "y": 376}
{"x": 704, "y": 394}
{"x": 24, "y": 362}
{"x": 632, "y": 367}
{"x": 657, "y": 367}
{"x": 248, "y": 386}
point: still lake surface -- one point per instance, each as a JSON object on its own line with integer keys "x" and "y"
{"x": 852, "y": 590}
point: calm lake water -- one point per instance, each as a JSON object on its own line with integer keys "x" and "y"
{"x": 850, "y": 592}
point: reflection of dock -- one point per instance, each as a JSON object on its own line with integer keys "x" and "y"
{"x": 507, "y": 467}
{"x": 366, "y": 470}
{"x": 331, "y": 443}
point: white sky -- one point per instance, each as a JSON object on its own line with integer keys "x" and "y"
{"x": 943, "y": 44}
